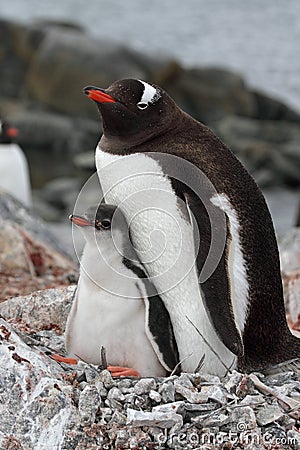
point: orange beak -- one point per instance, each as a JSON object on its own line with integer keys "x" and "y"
{"x": 98, "y": 95}
{"x": 80, "y": 221}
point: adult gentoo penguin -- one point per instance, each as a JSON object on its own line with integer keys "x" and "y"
{"x": 14, "y": 174}
{"x": 115, "y": 305}
{"x": 242, "y": 296}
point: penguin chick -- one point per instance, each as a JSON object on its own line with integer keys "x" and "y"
{"x": 115, "y": 305}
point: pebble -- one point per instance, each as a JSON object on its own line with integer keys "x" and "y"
{"x": 294, "y": 436}
{"x": 90, "y": 373}
{"x": 106, "y": 414}
{"x": 125, "y": 385}
{"x": 144, "y": 386}
{"x": 167, "y": 392}
{"x": 268, "y": 414}
{"x": 122, "y": 437}
{"x": 287, "y": 422}
{"x": 200, "y": 407}
{"x": 243, "y": 418}
{"x": 115, "y": 394}
{"x": 252, "y": 400}
{"x": 278, "y": 379}
{"x": 118, "y": 418}
{"x": 184, "y": 380}
{"x": 214, "y": 393}
{"x": 107, "y": 379}
{"x": 232, "y": 380}
{"x": 209, "y": 379}
{"x": 191, "y": 395}
{"x": 214, "y": 420}
{"x": 155, "y": 396}
{"x": 89, "y": 402}
{"x": 153, "y": 419}
{"x": 177, "y": 407}
{"x": 254, "y": 446}
{"x": 114, "y": 404}
{"x": 100, "y": 387}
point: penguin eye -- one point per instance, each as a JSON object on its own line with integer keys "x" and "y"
{"x": 105, "y": 224}
{"x": 142, "y": 105}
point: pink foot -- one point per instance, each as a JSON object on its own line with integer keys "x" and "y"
{"x": 119, "y": 371}
{"x": 59, "y": 358}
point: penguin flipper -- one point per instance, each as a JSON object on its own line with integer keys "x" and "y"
{"x": 159, "y": 330}
{"x": 215, "y": 289}
{"x": 158, "y": 325}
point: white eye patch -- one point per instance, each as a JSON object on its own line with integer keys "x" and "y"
{"x": 150, "y": 95}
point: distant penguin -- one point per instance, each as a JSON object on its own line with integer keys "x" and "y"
{"x": 239, "y": 308}
{"x": 14, "y": 174}
{"x": 115, "y": 306}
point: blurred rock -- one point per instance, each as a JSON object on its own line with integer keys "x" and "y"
{"x": 75, "y": 60}
{"x": 209, "y": 94}
{"x": 268, "y": 108}
{"x": 12, "y": 210}
{"x": 18, "y": 44}
{"x": 44, "y": 210}
{"x": 61, "y": 192}
{"x": 85, "y": 160}
{"x": 297, "y": 218}
{"x": 289, "y": 247}
{"x": 31, "y": 257}
{"x": 265, "y": 147}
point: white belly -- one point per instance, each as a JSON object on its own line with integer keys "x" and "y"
{"x": 99, "y": 318}
{"x": 14, "y": 176}
{"x": 164, "y": 242}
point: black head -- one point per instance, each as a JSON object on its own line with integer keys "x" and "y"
{"x": 7, "y": 133}
{"x": 101, "y": 218}
{"x": 133, "y": 111}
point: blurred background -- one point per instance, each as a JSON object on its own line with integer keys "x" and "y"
{"x": 232, "y": 65}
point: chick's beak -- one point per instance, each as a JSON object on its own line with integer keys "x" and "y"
{"x": 80, "y": 221}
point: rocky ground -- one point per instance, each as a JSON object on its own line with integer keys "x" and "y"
{"x": 47, "y": 406}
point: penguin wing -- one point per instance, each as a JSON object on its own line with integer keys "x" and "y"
{"x": 215, "y": 289}
{"x": 159, "y": 330}
{"x": 158, "y": 325}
